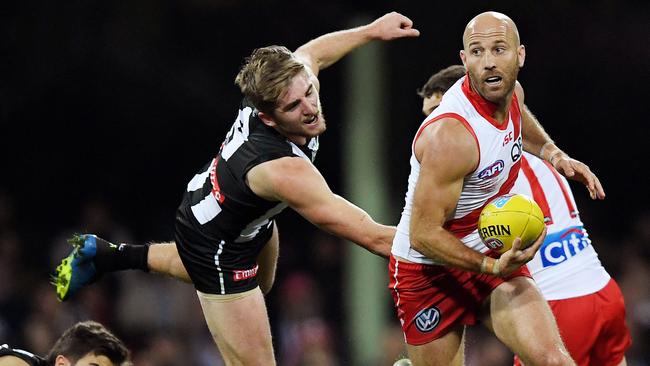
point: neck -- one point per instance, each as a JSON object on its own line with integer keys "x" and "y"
{"x": 500, "y": 113}
{"x": 296, "y": 139}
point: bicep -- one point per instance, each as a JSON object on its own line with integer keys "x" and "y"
{"x": 446, "y": 156}
{"x": 436, "y": 193}
{"x": 294, "y": 181}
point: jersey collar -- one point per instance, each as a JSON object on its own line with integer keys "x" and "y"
{"x": 484, "y": 107}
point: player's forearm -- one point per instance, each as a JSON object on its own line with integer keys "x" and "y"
{"x": 348, "y": 221}
{"x": 329, "y": 48}
{"x": 444, "y": 248}
{"x": 536, "y": 141}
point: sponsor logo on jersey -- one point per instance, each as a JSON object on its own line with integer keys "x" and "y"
{"x": 240, "y": 275}
{"x": 427, "y": 319}
{"x": 515, "y": 152}
{"x": 564, "y": 245}
{"x": 492, "y": 171}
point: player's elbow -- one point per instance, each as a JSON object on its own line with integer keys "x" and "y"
{"x": 419, "y": 240}
{"x": 424, "y": 241}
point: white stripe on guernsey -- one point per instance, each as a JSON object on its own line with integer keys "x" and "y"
{"x": 207, "y": 209}
{"x": 296, "y": 150}
{"x": 216, "y": 261}
{"x": 251, "y": 230}
{"x": 238, "y": 133}
{"x": 198, "y": 181}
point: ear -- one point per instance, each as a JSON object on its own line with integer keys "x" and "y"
{"x": 268, "y": 120}
{"x": 62, "y": 361}
{"x": 521, "y": 53}
{"x": 463, "y": 58}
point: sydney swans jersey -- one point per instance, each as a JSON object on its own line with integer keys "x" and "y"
{"x": 566, "y": 265}
{"x": 218, "y": 198}
{"x": 499, "y": 147}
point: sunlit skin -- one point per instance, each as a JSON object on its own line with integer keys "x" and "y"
{"x": 298, "y": 115}
{"x": 430, "y": 103}
{"x": 493, "y": 56}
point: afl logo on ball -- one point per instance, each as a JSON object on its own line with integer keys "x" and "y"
{"x": 494, "y": 243}
{"x": 427, "y": 319}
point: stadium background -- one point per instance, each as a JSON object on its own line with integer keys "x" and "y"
{"x": 107, "y": 108}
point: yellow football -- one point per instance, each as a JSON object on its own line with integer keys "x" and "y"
{"x": 508, "y": 217}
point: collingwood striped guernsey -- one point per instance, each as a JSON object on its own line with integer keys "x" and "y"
{"x": 220, "y": 211}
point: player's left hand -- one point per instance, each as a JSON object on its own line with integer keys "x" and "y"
{"x": 393, "y": 25}
{"x": 579, "y": 171}
{"x": 517, "y": 256}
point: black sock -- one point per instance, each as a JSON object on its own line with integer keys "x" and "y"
{"x": 120, "y": 257}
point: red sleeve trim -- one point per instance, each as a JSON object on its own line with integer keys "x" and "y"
{"x": 457, "y": 117}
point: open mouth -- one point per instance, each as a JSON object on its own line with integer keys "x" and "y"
{"x": 493, "y": 80}
{"x": 312, "y": 120}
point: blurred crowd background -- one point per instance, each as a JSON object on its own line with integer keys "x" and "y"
{"x": 107, "y": 109}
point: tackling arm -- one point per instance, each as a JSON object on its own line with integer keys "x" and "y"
{"x": 298, "y": 183}
{"x": 325, "y": 50}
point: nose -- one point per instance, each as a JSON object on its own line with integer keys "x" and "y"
{"x": 311, "y": 107}
{"x": 489, "y": 61}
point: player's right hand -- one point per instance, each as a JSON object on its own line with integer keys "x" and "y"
{"x": 393, "y": 25}
{"x": 517, "y": 256}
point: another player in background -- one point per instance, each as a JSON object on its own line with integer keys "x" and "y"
{"x": 84, "y": 344}
{"x": 587, "y": 303}
{"x": 442, "y": 277}
{"x": 225, "y": 231}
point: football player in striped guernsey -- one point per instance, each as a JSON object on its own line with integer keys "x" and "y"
{"x": 585, "y": 300}
{"x": 225, "y": 233}
{"x": 442, "y": 277}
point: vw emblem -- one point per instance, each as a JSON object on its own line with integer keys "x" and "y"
{"x": 427, "y": 319}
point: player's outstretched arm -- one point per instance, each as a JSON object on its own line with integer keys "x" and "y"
{"x": 537, "y": 142}
{"x": 325, "y": 50}
{"x": 298, "y": 183}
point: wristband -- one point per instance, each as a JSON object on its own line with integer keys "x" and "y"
{"x": 495, "y": 268}
{"x": 484, "y": 265}
{"x": 541, "y": 151}
{"x": 551, "y": 159}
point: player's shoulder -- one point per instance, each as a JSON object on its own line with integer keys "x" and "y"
{"x": 448, "y": 131}
{"x": 17, "y": 357}
{"x": 446, "y": 140}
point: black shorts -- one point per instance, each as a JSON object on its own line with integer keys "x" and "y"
{"x": 217, "y": 266}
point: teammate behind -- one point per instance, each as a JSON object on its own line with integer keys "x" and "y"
{"x": 587, "y": 303}
{"x": 442, "y": 277}
{"x": 84, "y": 344}
{"x": 225, "y": 232}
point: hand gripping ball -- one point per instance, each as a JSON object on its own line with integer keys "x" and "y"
{"x": 508, "y": 217}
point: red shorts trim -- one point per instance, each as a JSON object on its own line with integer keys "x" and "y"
{"x": 593, "y": 326}
{"x": 432, "y": 299}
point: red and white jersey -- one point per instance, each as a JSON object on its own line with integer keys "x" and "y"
{"x": 566, "y": 265}
{"x": 499, "y": 148}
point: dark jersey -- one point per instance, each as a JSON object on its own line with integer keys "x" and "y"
{"x": 221, "y": 225}
{"x": 28, "y": 357}
{"x": 218, "y": 199}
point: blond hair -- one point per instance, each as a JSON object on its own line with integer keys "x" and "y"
{"x": 266, "y": 74}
